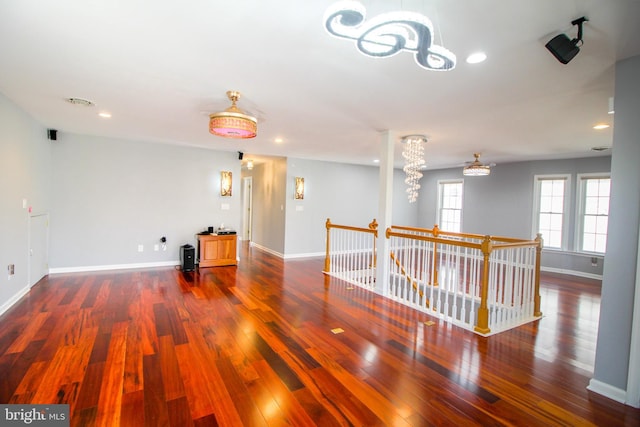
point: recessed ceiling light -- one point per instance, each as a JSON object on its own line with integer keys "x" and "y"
{"x": 476, "y": 58}
{"x": 80, "y": 101}
{"x": 376, "y": 160}
{"x": 601, "y": 126}
{"x": 104, "y": 115}
{"x": 278, "y": 140}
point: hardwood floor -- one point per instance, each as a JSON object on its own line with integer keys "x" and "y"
{"x": 253, "y": 345}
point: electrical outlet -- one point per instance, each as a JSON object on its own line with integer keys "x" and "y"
{"x": 11, "y": 268}
{"x": 156, "y": 247}
{"x": 140, "y": 248}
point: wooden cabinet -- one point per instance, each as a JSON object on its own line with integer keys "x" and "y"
{"x": 217, "y": 250}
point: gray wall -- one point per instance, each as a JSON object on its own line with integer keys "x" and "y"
{"x": 620, "y": 269}
{"x": 347, "y": 194}
{"x": 502, "y": 204}
{"x": 269, "y": 203}
{"x": 112, "y": 195}
{"x": 25, "y": 170}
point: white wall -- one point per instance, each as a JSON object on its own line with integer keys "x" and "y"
{"x": 110, "y": 195}
{"x": 25, "y": 168}
{"x": 269, "y": 202}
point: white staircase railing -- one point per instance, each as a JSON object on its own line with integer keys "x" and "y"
{"x": 486, "y": 284}
{"x": 351, "y": 253}
{"x": 482, "y": 283}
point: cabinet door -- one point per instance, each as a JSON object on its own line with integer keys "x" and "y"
{"x": 227, "y": 248}
{"x": 210, "y": 250}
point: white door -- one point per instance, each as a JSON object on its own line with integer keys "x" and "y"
{"x": 247, "y": 207}
{"x": 38, "y": 247}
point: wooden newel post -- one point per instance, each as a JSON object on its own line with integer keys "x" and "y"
{"x": 482, "y": 323}
{"x": 373, "y": 225}
{"x": 536, "y": 294}
{"x": 327, "y": 261}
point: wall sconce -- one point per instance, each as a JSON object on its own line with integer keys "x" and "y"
{"x": 225, "y": 183}
{"x": 299, "y": 193}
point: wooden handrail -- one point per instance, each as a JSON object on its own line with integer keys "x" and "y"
{"x": 390, "y": 233}
{"x": 437, "y": 232}
{"x": 348, "y": 227}
{"x": 372, "y": 229}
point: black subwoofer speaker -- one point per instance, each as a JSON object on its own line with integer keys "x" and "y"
{"x": 187, "y": 258}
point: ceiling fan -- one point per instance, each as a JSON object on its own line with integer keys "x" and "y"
{"x": 476, "y": 167}
{"x": 210, "y": 105}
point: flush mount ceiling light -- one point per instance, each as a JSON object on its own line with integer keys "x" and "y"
{"x": 476, "y": 168}
{"x": 476, "y": 58}
{"x": 388, "y": 34}
{"x": 413, "y": 153}
{"x": 233, "y": 122}
{"x": 564, "y": 49}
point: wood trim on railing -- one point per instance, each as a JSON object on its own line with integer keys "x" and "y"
{"x": 436, "y": 232}
{"x": 482, "y": 322}
{"x": 390, "y": 233}
{"x": 372, "y": 229}
{"x": 536, "y": 295}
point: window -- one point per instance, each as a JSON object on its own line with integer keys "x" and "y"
{"x": 551, "y": 207}
{"x": 450, "y": 205}
{"x": 593, "y": 217}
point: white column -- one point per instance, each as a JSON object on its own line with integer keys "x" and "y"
{"x": 385, "y": 207}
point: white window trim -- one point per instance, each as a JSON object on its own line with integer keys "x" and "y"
{"x": 580, "y": 208}
{"x": 439, "y": 201}
{"x": 565, "y": 209}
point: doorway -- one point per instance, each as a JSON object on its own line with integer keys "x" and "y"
{"x": 247, "y": 207}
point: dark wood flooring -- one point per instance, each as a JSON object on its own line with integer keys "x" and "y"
{"x": 253, "y": 345}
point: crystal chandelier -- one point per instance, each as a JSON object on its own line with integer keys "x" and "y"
{"x": 413, "y": 153}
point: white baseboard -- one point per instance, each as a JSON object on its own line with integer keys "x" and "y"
{"x": 288, "y": 256}
{"x": 309, "y": 255}
{"x": 265, "y": 249}
{"x": 571, "y": 272}
{"x": 14, "y": 299}
{"x": 606, "y": 390}
{"x": 83, "y": 269}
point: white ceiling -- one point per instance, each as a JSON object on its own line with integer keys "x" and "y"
{"x": 161, "y": 66}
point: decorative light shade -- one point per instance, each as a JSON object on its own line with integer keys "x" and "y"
{"x": 387, "y": 34}
{"x": 476, "y": 168}
{"x": 413, "y": 153}
{"x": 233, "y": 122}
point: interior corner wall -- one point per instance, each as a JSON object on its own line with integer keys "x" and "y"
{"x": 110, "y": 196}
{"x": 345, "y": 193}
{"x": 25, "y": 172}
{"x": 269, "y": 200}
{"x": 620, "y": 266}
